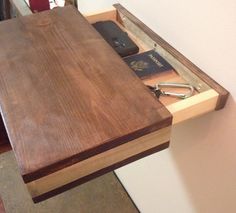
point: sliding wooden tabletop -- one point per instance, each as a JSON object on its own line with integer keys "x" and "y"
{"x": 65, "y": 95}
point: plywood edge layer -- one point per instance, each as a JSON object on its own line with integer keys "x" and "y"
{"x": 100, "y": 172}
{"x": 194, "y": 106}
{"x": 98, "y": 162}
{"x": 114, "y": 142}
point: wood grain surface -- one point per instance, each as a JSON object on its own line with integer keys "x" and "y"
{"x": 223, "y": 93}
{"x": 65, "y": 95}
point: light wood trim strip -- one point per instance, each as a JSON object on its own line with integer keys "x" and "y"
{"x": 95, "y": 163}
{"x": 194, "y": 106}
{"x": 103, "y": 16}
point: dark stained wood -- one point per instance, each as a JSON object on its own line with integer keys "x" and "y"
{"x": 223, "y": 93}
{"x": 99, "y": 173}
{"x": 66, "y": 95}
{"x": 71, "y": 2}
{"x": 6, "y": 5}
{"x": 4, "y": 141}
{"x": 2, "y": 209}
{"x": 5, "y": 148}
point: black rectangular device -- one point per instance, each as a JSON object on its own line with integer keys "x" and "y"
{"x": 116, "y": 37}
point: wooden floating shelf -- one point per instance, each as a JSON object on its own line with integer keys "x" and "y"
{"x": 80, "y": 119}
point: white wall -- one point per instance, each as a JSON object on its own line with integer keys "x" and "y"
{"x": 198, "y": 172}
{"x": 92, "y": 6}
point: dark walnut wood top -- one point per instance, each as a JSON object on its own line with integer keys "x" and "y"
{"x": 65, "y": 95}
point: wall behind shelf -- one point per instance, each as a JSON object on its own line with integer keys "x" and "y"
{"x": 198, "y": 172}
{"x": 92, "y": 6}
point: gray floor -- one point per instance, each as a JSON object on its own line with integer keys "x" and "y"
{"x": 104, "y": 194}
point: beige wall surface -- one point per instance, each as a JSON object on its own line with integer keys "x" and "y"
{"x": 198, "y": 172}
{"x": 92, "y": 6}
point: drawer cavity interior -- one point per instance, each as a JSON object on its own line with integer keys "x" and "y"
{"x": 205, "y": 97}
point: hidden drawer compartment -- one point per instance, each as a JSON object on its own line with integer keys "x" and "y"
{"x": 208, "y": 95}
